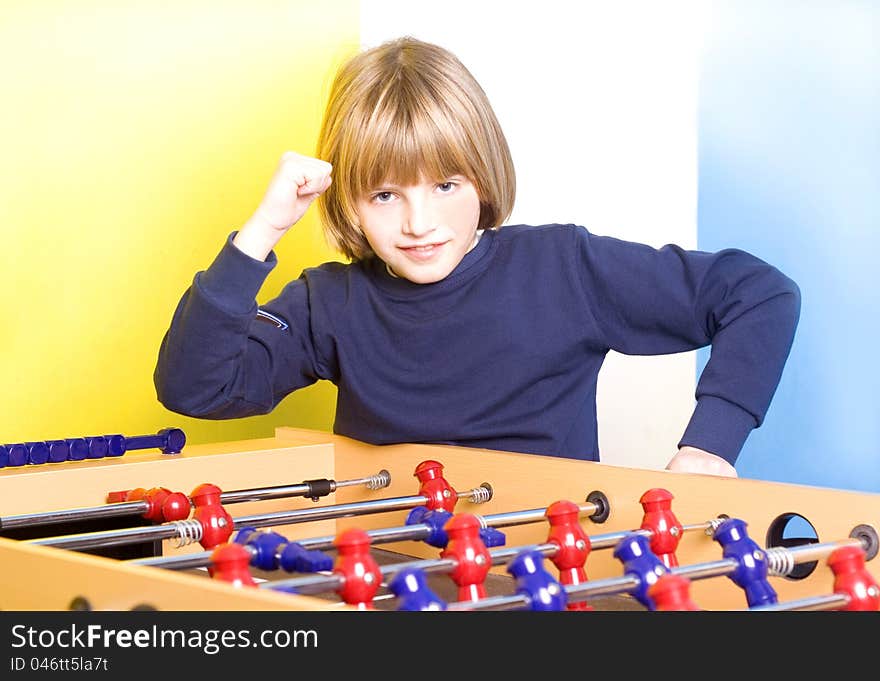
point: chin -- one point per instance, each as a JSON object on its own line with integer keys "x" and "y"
{"x": 425, "y": 276}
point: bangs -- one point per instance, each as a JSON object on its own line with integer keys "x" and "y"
{"x": 407, "y": 139}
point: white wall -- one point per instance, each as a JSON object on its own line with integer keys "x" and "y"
{"x": 599, "y": 103}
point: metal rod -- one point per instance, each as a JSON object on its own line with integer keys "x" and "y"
{"x": 504, "y": 555}
{"x": 715, "y": 568}
{"x": 725, "y": 566}
{"x": 511, "y": 602}
{"x": 380, "y": 480}
{"x": 603, "y": 541}
{"x": 385, "y": 535}
{"x": 92, "y": 512}
{"x": 604, "y": 587}
{"x": 533, "y": 515}
{"x": 809, "y": 552}
{"x": 612, "y": 585}
{"x": 826, "y": 602}
{"x": 306, "y": 489}
{"x": 188, "y": 561}
{"x": 626, "y": 583}
{"x": 313, "y": 584}
{"x": 345, "y": 510}
{"x": 370, "y": 481}
{"x": 497, "y": 557}
{"x": 708, "y": 527}
{"x": 188, "y": 530}
{"x": 89, "y": 540}
{"x": 428, "y": 565}
{"x": 304, "y": 515}
{"x": 169, "y": 530}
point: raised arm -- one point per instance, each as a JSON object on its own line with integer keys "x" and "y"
{"x": 222, "y": 357}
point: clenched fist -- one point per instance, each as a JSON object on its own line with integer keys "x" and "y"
{"x": 298, "y": 180}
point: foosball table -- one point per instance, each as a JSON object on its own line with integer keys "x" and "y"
{"x": 308, "y": 520}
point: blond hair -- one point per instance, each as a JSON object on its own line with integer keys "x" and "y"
{"x": 403, "y": 112}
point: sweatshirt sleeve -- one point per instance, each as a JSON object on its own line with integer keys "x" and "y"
{"x": 651, "y": 301}
{"x": 223, "y": 357}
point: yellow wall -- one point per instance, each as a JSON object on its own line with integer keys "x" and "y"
{"x": 135, "y": 136}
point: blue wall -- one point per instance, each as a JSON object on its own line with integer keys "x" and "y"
{"x": 790, "y": 170}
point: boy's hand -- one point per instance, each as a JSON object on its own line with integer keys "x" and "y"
{"x": 298, "y": 180}
{"x": 693, "y": 460}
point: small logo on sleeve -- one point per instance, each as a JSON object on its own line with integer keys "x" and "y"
{"x": 276, "y": 321}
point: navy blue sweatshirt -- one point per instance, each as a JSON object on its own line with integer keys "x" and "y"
{"x": 504, "y": 353}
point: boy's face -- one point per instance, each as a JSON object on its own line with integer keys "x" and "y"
{"x": 421, "y": 231}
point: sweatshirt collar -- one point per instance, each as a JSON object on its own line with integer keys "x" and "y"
{"x": 462, "y": 272}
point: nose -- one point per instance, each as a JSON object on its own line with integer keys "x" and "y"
{"x": 418, "y": 219}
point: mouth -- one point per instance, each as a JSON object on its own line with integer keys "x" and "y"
{"x": 422, "y": 252}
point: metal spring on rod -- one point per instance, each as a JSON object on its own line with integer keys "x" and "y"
{"x": 714, "y": 524}
{"x": 379, "y": 481}
{"x": 188, "y": 532}
{"x": 780, "y": 561}
{"x": 480, "y": 495}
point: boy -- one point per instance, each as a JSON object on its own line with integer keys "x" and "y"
{"x": 446, "y": 327}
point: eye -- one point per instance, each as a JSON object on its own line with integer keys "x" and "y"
{"x": 382, "y": 197}
{"x": 446, "y": 187}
